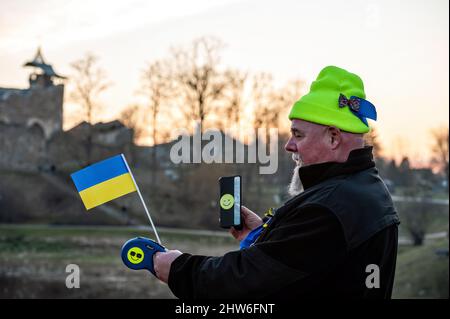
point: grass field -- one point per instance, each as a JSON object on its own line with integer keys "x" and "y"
{"x": 33, "y": 260}
{"x": 421, "y": 272}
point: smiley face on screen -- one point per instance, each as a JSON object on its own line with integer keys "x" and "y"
{"x": 227, "y": 201}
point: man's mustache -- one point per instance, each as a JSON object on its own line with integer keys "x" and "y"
{"x": 297, "y": 159}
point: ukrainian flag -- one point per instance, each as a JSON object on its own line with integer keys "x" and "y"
{"x": 104, "y": 181}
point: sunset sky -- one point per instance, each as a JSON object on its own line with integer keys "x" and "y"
{"x": 399, "y": 48}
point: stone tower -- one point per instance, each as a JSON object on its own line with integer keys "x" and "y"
{"x": 30, "y": 117}
{"x": 41, "y": 104}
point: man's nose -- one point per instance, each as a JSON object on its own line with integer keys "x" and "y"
{"x": 290, "y": 146}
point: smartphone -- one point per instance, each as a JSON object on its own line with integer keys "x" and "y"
{"x": 230, "y": 201}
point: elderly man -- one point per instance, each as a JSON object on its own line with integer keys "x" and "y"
{"x": 337, "y": 235}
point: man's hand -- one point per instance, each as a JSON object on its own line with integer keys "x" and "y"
{"x": 162, "y": 263}
{"x": 249, "y": 222}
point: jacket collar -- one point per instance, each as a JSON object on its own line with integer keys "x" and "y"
{"x": 358, "y": 160}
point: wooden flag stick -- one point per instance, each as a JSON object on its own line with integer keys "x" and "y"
{"x": 142, "y": 200}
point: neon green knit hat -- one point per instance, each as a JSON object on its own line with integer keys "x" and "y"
{"x": 336, "y": 98}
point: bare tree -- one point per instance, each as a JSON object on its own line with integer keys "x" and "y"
{"x": 293, "y": 90}
{"x": 282, "y": 101}
{"x": 198, "y": 77}
{"x": 406, "y": 177}
{"x": 372, "y": 139}
{"x": 132, "y": 118}
{"x": 233, "y": 95}
{"x": 262, "y": 89}
{"x": 417, "y": 218}
{"x": 416, "y": 215}
{"x": 156, "y": 87}
{"x": 89, "y": 81}
{"x": 271, "y": 104}
{"x": 440, "y": 150}
{"x": 262, "y": 96}
{"x": 400, "y": 145}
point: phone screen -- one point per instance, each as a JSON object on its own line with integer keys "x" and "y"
{"x": 230, "y": 201}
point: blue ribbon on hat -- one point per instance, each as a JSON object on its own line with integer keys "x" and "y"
{"x": 363, "y": 109}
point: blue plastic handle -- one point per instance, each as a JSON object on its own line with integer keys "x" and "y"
{"x": 137, "y": 253}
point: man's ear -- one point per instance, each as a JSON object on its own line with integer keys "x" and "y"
{"x": 334, "y": 137}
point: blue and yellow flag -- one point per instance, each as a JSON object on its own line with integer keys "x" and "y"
{"x": 104, "y": 181}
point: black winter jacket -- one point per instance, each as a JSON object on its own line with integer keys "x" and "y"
{"x": 336, "y": 239}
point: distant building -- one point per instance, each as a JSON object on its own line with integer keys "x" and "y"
{"x": 30, "y": 117}
{"x": 41, "y": 104}
{"x": 112, "y": 134}
{"x": 31, "y": 126}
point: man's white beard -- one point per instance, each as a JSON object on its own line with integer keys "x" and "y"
{"x": 296, "y": 187}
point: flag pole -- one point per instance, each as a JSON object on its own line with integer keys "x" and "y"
{"x": 142, "y": 199}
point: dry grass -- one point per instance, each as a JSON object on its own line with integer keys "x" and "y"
{"x": 33, "y": 262}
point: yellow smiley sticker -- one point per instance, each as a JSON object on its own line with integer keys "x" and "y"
{"x": 227, "y": 201}
{"x": 135, "y": 255}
